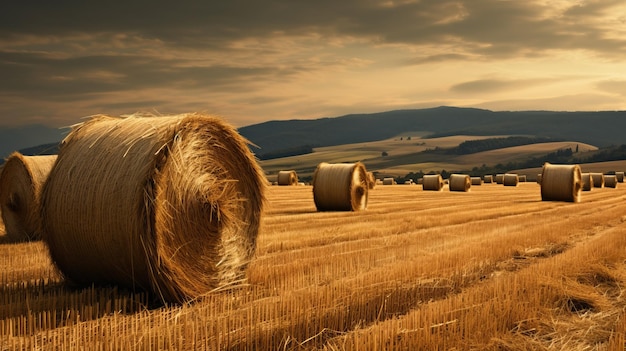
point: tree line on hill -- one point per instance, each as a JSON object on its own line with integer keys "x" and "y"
{"x": 562, "y": 156}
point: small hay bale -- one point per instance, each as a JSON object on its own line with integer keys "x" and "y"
{"x": 620, "y": 177}
{"x": 610, "y": 181}
{"x": 561, "y": 183}
{"x": 597, "y": 179}
{"x": 340, "y": 187}
{"x": 21, "y": 183}
{"x": 432, "y": 182}
{"x": 521, "y": 178}
{"x": 586, "y": 180}
{"x": 499, "y": 178}
{"x": 510, "y": 179}
{"x": 171, "y": 205}
{"x": 287, "y": 178}
{"x": 371, "y": 180}
{"x": 460, "y": 182}
{"x": 476, "y": 180}
{"x": 539, "y": 178}
{"x": 389, "y": 181}
{"x": 488, "y": 178}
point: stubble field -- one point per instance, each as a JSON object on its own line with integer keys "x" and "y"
{"x": 494, "y": 268}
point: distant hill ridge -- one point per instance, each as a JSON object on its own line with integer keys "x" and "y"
{"x": 600, "y": 128}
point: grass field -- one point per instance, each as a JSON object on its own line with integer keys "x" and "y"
{"x": 404, "y": 155}
{"x": 494, "y": 268}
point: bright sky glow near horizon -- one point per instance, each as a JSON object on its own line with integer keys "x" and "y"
{"x": 253, "y": 61}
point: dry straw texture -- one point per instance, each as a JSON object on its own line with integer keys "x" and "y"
{"x": 287, "y": 178}
{"x": 460, "y": 182}
{"x": 488, "y": 178}
{"x": 432, "y": 182}
{"x": 510, "y": 179}
{"x": 340, "y": 187}
{"x": 610, "y": 181}
{"x": 371, "y": 180}
{"x": 619, "y": 176}
{"x": 597, "y": 180}
{"x": 168, "y": 204}
{"x": 561, "y": 183}
{"x": 21, "y": 183}
{"x": 586, "y": 179}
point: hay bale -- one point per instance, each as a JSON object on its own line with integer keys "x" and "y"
{"x": 561, "y": 183}
{"x": 488, "y": 178}
{"x": 287, "y": 178}
{"x": 340, "y": 187}
{"x": 167, "y": 204}
{"x": 610, "y": 181}
{"x": 389, "y": 181}
{"x": 521, "y": 178}
{"x": 510, "y": 179}
{"x": 500, "y": 178}
{"x": 597, "y": 180}
{"x": 460, "y": 182}
{"x": 586, "y": 180}
{"x": 371, "y": 180}
{"x": 539, "y": 178}
{"x": 476, "y": 180}
{"x": 21, "y": 182}
{"x": 432, "y": 182}
{"x": 620, "y": 177}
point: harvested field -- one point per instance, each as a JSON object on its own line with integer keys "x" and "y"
{"x": 492, "y": 269}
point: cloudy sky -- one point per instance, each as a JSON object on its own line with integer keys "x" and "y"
{"x": 251, "y": 61}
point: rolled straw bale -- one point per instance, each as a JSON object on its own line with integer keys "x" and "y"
{"x": 287, "y": 178}
{"x": 586, "y": 180}
{"x": 597, "y": 179}
{"x": 610, "y": 181}
{"x": 521, "y": 178}
{"x": 371, "y": 179}
{"x": 499, "y": 178}
{"x": 539, "y": 178}
{"x": 620, "y": 177}
{"x": 476, "y": 180}
{"x": 488, "y": 178}
{"x": 21, "y": 183}
{"x": 561, "y": 183}
{"x": 340, "y": 187}
{"x": 460, "y": 182}
{"x": 167, "y": 204}
{"x": 510, "y": 179}
{"x": 389, "y": 181}
{"x": 432, "y": 182}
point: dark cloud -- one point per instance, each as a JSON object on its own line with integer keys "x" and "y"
{"x": 495, "y": 85}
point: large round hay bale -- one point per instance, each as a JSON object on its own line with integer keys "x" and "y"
{"x": 610, "y": 181}
{"x": 510, "y": 179}
{"x": 460, "y": 182}
{"x": 586, "y": 181}
{"x": 287, "y": 178}
{"x": 619, "y": 176}
{"x": 432, "y": 182}
{"x": 500, "y": 178}
{"x": 21, "y": 183}
{"x": 168, "y": 204}
{"x": 389, "y": 181}
{"x": 340, "y": 187}
{"x": 561, "y": 183}
{"x": 597, "y": 180}
{"x": 371, "y": 180}
{"x": 476, "y": 180}
{"x": 488, "y": 178}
